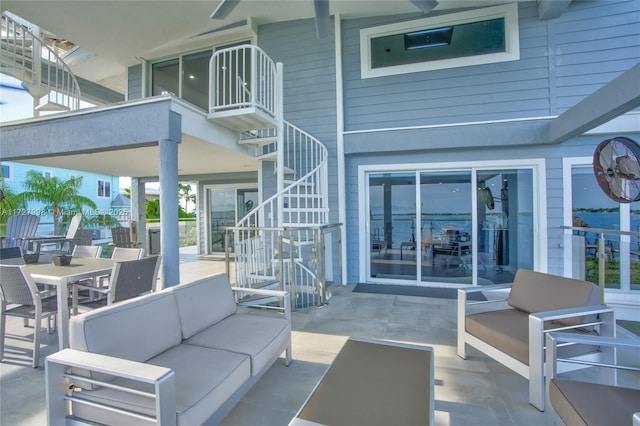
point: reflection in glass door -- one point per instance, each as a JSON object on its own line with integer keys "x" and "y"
{"x": 446, "y": 226}
{"x": 392, "y": 220}
{"x": 227, "y": 206}
{"x": 457, "y": 226}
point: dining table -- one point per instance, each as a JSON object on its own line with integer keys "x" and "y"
{"x": 81, "y": 268}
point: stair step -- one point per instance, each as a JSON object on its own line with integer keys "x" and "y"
{"x": 52, "y": 107}
{"x": 259, "y": 141}
{"x": 35, "y": 90}
{"x": 271, "y": 156}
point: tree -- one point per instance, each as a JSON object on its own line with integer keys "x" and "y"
{"x": 184, "y": 193}
{"x": 56, "y": 194}
{"x": 10, "y": 203}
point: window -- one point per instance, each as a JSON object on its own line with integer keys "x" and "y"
{"x": 460, "y": 39}
{"x": 104, "y": 188}
{"x": 7, "y": 172}
{"x": 186, "y": 76}
{"x": 47, "y": 174}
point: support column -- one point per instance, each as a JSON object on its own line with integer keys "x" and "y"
{"x": 139, "y": 210}
{"x": 168, "y": 174}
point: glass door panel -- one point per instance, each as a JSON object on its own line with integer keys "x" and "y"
{"x": 446, "y": 249}
{"x": 505, "y": 224}
{"x": 222, "y": 210}
{"x": 392, "y": 222}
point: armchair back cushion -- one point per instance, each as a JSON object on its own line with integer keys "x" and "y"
{"x": 203, "y": 303}
{"x": 119, "y": 330}
{"x": 538, "y": 292}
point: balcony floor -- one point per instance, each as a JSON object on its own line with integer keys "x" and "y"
{"x": 475, "y": 391}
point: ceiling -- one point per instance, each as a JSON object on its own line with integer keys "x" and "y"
{"x": 120, "y": 33}
{"x": 195, "y": 157}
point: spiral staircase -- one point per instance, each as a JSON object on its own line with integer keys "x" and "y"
{"x": 276, "y": 243}
{"x": 25, "y": 56}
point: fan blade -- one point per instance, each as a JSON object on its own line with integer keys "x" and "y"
{"x": 224, "y": 9}
{"x": 607, "y": 157}
{"x": 425, "y": 5}
{"x": 323, "y": 20}
{"x": 616, "y": 185}
{"x": 628, "y": 167}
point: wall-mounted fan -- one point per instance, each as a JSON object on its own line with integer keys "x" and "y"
{"x": 616, "y": 165}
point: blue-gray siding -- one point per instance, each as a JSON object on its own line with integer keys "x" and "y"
{"x": 561, "y": 62}
{"x": 134, "y": 81}
{"x": 309, "y": 85}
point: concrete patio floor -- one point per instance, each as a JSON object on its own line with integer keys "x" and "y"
{"x": 477, "y": 391}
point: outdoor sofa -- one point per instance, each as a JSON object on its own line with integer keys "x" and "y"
{"x": 185, "y": 355}
{"x": 510, "y": 326}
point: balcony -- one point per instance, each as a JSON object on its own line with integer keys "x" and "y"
{"x": 475, "y": 391}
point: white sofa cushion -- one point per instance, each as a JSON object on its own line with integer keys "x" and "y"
{"x": 205, "y": 378}
{"x": 203, "y": 302}
{"x": 136, "y": 329}
{"x": 262, "y": 338}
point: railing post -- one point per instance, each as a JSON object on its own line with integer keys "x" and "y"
{"x": 227, "y": 262}
{"x": 292, "y": 275}
{"x": 601, "y": 264}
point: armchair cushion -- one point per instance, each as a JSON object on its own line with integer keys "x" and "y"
{"x": 539, "y": 292}
{"x": 582, "y": 403}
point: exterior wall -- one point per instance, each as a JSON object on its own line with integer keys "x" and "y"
{"x": 309, "y": 85}
{"x": 134, "y": 82}
{"x": 562, "y": 61}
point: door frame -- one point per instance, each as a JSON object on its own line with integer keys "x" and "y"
{"x": 537, "y": 166}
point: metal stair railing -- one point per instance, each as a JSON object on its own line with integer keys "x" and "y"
{"x": 27, "y": 57}
{"x": 242, "y": 76}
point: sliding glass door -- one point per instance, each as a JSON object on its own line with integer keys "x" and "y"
{"x": 462, "y": 226}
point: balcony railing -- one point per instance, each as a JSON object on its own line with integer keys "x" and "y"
{"x": 608, "y": 257}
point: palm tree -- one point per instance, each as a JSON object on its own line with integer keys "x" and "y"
{"x": 10, "y": 203}
{"x": 184, "y": 193}
{"x": 57, "y": 194}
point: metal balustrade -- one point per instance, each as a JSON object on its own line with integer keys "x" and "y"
{"x": 242, "y": 77}
{"x": 26, "y": 57}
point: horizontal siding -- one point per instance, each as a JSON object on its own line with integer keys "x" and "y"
{"x": 593, "y": 44}
{"x": 309, "y": 85}
{"x": 561, "y": 62}
{"x": 134, "y": 89}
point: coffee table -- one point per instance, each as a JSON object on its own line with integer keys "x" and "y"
{"x": 373, "y": 382}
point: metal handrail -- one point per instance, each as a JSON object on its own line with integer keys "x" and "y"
{"x": 28, "y": 58}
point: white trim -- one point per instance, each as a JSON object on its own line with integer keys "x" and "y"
{"x": 437, "y": 126}
{"x": 342, "y": 212}
{"x": 537, "y": 166}
{"x": 512, "y": 40}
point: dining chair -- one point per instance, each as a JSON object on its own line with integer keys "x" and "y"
{"x": 128, "y": 279}
{"x": 121, "y": 253}
{"x": 21, "y": 298}
{"x": 11, "y": 256}
{"x": 86, "y": 251}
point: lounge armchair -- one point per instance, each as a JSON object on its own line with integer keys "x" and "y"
{"x": 606, "y": 398}
{"x": 20, "y": 229}
{"x": 513, "y": 333}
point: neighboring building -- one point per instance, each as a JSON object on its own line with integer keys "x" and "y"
{"x": 102, "y": 189}
{"x": 459, "y": 142}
